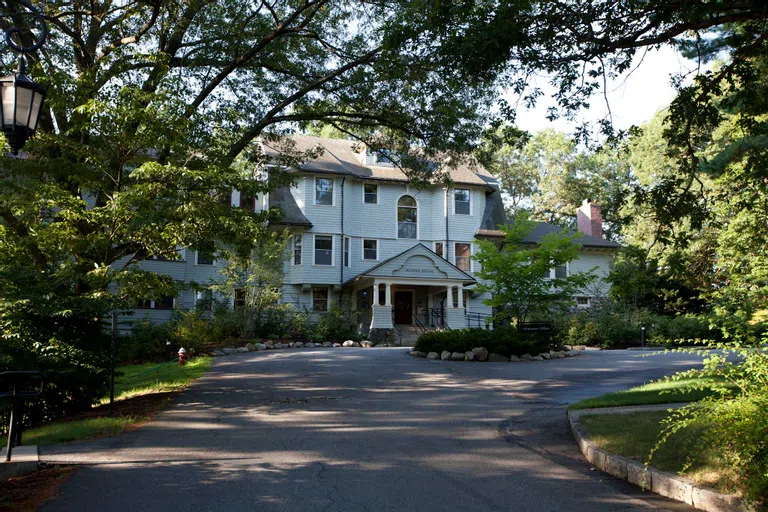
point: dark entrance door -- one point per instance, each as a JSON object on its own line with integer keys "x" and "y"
{"x": 403, "y": 308}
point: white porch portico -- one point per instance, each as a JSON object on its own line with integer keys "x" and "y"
{"x": 416, "y": 287}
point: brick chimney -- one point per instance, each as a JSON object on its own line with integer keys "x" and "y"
{"x": 589, "y": 219}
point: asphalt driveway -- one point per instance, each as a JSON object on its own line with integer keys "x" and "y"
{"x": 366, "y": 429}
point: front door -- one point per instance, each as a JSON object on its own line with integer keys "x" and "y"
{"x": 403, "y": 308}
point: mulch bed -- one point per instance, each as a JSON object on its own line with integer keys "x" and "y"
{"x": 29, "y": 492}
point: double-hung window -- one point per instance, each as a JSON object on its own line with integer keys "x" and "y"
{"x": 204, "y": 257}
{"x": 370, "y": 249}
{"x": 370, "y": 193}
{"x": 558, "y": 272}
{"x": 407, "y": 217}
{"x": 347, "y": 249}
{"x": 297, "y": 241}
{"x": 461, "y": 199}
{"x": 204, "y": 300}
{"x": 323, "y": 250}
{"x": 439, "y": 249}
{"x": 320, "y": 299}
{"x": 464, "y": 256}
{"x": 324, "y": 191}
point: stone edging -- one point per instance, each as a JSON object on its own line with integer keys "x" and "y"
{"x": 480, "y": 354}
{"x": 258, "y": 347}
{"x": 661, "y": 482}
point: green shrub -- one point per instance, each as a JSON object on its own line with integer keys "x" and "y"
{"x": 192, "y": 330}
{"x": 337, "y": 324}
{"x": 683, "y": 328}
{"x": 734, "y": 417}
{"x": 146, "y": 342}
{"x": 597, "y": 328}
{"x": 504, "y": 341}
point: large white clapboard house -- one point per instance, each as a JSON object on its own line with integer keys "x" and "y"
{"x": 401, "y": 254}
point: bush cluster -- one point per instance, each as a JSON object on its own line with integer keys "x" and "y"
{"x": 504, "y": 341}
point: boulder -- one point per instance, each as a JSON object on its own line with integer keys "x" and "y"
{"x": 469, "y": 355}
{"x": 433, "y": 355}
{"x": 300, "y": 344}
{"x": 562, "y": 354}
{"x": 457, "y": 356}
{"x": 554, "y": 354}
{"x": 481, "y": 353}
{"x": 242, "y": 349}
{"x": 367, "y": 344}
{"x": 336, "y": 345}
{"x": 514, "y": 358}
{"x": 572, "y": 353}
{"x": 537, "y": 358}
{"x": 355, "y": 344}
{"x": 526, "y": 357}
{"x": 348, "y": 343}
{"x": 251, "y": 347}
{"x": 291, "y": 344}
{"x": 261, "y": 346}
{"x": 318, "y": 345}
{"x": 327, "y": 344}
{"x": 416, "y": 353}
{"x": 217, "y": 353}
{"x": 497, "y": 358}
{"x": 270, "y": 345}
{"x": 229, "y": 350}
{"x": 545, "y": 355}
{"x": 445, "y": 355}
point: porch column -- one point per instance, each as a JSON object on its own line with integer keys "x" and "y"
{"x": 449, "y": 297}
{"x": 381, "y": 315}
{"x": 375, "y": 298}
{"x": 388, "y": 295}
{"x": 461, "y": 296}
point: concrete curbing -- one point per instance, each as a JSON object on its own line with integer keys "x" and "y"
{"x": 666, "y": 484}
{"x": 24, "y": 460}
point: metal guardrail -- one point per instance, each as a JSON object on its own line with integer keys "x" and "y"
{"x": 479, "y": 319}
{"x": 18, "y": 386}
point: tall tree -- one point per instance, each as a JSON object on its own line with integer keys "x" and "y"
{"x": 153, "y": 115}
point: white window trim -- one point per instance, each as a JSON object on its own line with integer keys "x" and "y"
{"x": 567, "y": 270}
{"x": 333, "y": 190}
{"x": 293, "y": 250}
{"x": 471, "y": 253}
{"x": 344, "y": 250}
{"x": 434, "y": 248}
{"x": 418, "y": 217}
{"x": 378, "y": 190}
{"x": 212, "y": 264}
{"x": 362, "y": 248}
{"x": 584, "y": 306}
{"x": 470, "y": 201}
{"x": 327, "y": 300}
{"x": 333, "y": 250}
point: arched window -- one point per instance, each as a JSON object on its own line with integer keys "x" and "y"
{"x": 406, "y": 217}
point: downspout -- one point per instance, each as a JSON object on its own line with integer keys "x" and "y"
{"x": 342, "y": 238}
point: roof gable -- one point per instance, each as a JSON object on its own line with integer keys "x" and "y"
{"x": 418, "y": 262}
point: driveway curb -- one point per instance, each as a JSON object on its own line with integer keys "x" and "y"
{"x": 666, "y": 484}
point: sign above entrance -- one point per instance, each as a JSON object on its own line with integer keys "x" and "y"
{"x": 419, "y": 265}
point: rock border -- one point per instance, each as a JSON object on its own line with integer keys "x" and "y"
{"x": 666, "y": 484}
{"x": 270, "y": 345}
{"x": 481, "y": 354}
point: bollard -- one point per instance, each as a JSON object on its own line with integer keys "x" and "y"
{"x": 642, "y": 336}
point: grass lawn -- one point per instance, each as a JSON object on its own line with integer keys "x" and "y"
{"x": 634, "y": 435}
{"x": 652, "y": 393}
{"x": 140, "y": 392}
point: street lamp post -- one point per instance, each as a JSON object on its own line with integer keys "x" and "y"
{"x": 21, "y": 98}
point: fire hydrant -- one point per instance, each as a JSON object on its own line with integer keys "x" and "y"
{"x": 183, "y": 356}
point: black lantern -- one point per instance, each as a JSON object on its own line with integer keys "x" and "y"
{"x": 21, "y": 99}
{"x": 21, "y": 102}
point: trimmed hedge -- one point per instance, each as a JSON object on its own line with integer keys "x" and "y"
{"x": 505, "y": 341}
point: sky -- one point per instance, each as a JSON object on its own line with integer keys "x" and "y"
{"x": 634, "y": 97}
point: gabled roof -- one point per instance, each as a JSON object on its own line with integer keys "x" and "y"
{"x": 495, "y": 216}
{"x": 422, "y": 264}
{"x": 341, "y": 156}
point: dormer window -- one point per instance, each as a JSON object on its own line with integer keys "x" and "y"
{"x": 324, "y": 191}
